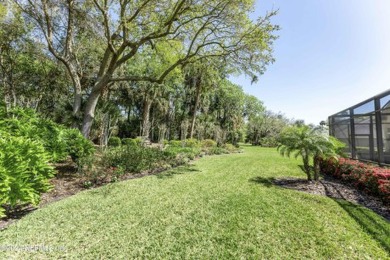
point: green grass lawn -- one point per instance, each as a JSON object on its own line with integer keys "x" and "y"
{"x": 222, "y": 207}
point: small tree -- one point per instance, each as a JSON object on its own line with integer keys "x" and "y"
{"x": 309, "y": 143}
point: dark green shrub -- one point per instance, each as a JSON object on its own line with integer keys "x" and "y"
{"x": 77, "y": 146}
{"x": 24, "y": 171}
{"x": 114, "y": 141}
{"x": 217, "y": 150}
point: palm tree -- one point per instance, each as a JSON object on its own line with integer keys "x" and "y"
{"x": 310, "y": 144}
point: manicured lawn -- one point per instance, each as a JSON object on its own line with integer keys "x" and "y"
{"x": 222, "y": 207}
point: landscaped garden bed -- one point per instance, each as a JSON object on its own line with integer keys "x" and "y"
{"x": 336, "y": 189}
{"x": 211, "y": 209}
{"x": 371, "y": 179}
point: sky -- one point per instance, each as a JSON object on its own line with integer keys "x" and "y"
{"x": 330, "y": 55}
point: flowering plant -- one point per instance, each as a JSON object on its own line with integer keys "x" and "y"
{"x": 371, "y": 179}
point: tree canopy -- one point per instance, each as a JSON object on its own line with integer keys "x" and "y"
{"x": 158, "y": 69}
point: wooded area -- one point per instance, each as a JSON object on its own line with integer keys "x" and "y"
{"x": 157, "y": 69}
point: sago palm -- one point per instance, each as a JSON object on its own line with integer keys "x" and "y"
{"x": 310, "y": 144}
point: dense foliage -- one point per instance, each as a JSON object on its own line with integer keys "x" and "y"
{"x": 144, "y": 83}
{"x": 77, "y": 146}
{"x": 28, "y": 144}
{"x": 58, "y": 141}
{"x": 24, "y": 171}
{"x": 371, "y": 179}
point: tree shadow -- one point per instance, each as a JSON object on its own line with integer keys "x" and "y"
{"x": 267, "y": 182}
{"x": 66, "y": 170}
{"x": 15, "y": 214}
{"x": 178, "y": 170}
{"x": 377, "y": 228}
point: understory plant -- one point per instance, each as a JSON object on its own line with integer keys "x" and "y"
{"x": 77, "y": 147}
{"x": 136, "y": 158}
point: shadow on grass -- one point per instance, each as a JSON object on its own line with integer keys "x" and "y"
{"x": 15, "y": 214}
{"x": 267, "y": 182}
{"x": 377, "y": 229}
{"x": 179, "y": 170}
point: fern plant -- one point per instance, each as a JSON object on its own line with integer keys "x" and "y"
{"x": 24, "y": 171}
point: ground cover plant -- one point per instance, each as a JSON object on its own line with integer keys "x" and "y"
{"x": 220, "y": 207}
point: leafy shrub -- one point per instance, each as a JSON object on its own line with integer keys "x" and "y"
{"x": 26, "y": 123}
{"x": 231, "y": 148}
{"x": 192, "y": 143}
{"x": 207, "y": 143}
{"x": 50, "y": 134}
{"x": 24, "y": 171}
{"x": 130, "y": 141}
{"x": 27, "y": 144}
{"x": 188, "y": 152}
{"x": 58, "y": 141}
{"x": 138, "y": 158}
{"x": 176, "y": 143}
{"x": 77, "y": 146}
{"x": 371, "y": 179}
{"x": 114, "y": 141}
{"x": 135, "y": 158}
{"x": 216, "y": 150}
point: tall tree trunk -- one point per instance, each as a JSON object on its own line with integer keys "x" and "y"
{"x": 105, "y": 129}
{"x": 89, "y": 113}
{"x": 145, "y": 117}
{"x": 76, "y": 88}
{"x": 198, "y": 87}
{"x": 77, "y": 103}
{"x": 90, "y": 107}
